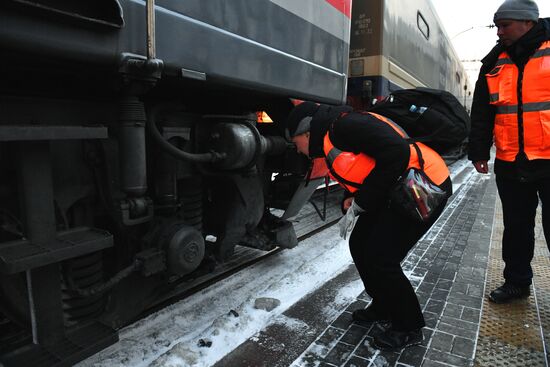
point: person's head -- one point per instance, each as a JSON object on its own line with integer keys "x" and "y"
{"x": 298, "y": 125}
{"x": 514, "y": 18}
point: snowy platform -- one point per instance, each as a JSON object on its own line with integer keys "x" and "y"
{"x": 452, "y": 267}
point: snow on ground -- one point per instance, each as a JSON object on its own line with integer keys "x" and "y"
{"x": 224, "y": 314}
{"x": 171, "y": 336}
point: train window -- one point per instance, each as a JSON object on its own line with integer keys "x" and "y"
{"x": 422, "y": 25}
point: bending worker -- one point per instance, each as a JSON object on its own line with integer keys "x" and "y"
{"x": 367, "y": 154}
{"x": 512, "y": 104}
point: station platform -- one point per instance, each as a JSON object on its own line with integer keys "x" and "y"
{"x": 453, "y": 267}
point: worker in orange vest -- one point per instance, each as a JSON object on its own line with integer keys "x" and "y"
{"x": 367, "y": 154}
{"x": 512, "y": 107}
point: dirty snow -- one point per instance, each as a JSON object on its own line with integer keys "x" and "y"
{"x": 171, "y": 336}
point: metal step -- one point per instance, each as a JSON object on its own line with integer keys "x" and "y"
{"x": 21, "y": 255}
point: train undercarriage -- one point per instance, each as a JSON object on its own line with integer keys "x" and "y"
{"x": 112, "y": 203}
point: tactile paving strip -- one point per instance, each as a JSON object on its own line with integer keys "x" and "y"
{"x": 510, "y": 334}
{"x": 541, "y": 282}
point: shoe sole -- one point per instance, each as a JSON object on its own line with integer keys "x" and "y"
{"x": 411, "y": 344}
{"x": 510, "y": 300}
{"x": 370, "y": 322}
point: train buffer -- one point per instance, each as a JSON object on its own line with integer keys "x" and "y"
{"x": 452, "y": 268}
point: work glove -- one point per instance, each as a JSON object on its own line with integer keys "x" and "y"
{"x": 349, "y": 219}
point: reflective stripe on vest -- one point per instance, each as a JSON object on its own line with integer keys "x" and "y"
{"x": 503, "y": 81}
{"x": 351, "y": 169}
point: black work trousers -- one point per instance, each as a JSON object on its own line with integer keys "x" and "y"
{"x": 378, "y": 244}
{"x": 519, "y": 209}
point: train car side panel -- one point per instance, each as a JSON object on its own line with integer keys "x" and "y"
{"x": 414, "y": 51}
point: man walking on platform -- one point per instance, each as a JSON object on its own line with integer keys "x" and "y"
{"x": 512, "y": 104}
{"x": 367, "y": 153}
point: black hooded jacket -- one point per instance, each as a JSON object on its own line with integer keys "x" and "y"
{"x": 483, "y": 113}
{"x": 362, "y": 133}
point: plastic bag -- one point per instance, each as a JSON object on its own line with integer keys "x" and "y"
{"x": 348, "y": 221}
{"x": 416, "y": 195}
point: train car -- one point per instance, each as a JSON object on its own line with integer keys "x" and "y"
{"x": 131, "y": 156}
{"x": 396, "y": 46}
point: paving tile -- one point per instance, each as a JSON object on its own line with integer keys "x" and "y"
{"x": 442, "y": 341}
{"x": 427, "y": 332}
{"x": 431, "y": 319}
{"x": 419, "y": 272}
{"x": 470, "y": 314}
{"x": 343, "y": 321}
{"x": 460, "y": 287}
{"x": 428, "y": 363}
{"x": 439, "y": 294}
{"x": 412, "y": 356}
{"x": 455, "y": 330}
{"x": 438, "y": 356}
{"x": 323, "y": 364}
{"x": 434, "y": 306}
{"x": 448, "y": 274}
{"x": 464, "y": 300}
{"x": 459, "y": 323}
{"x": 339, "y": 354}
{"x": 426, "y": 287}
{"x": 452, "y": 310}
{"x": 423, "y": 298}
{"x": 444, "y": 284}
{"x": 358, "y": 362}
{"x": 385, "y": 359}
{"x": 354, "y": 335}
{"x": 463, "y": 347}
{"x": 431, "y": 277}
{"x": 365, "y": 349}
{"x": 475, "y": 291}
{"x": 329, "y": 336}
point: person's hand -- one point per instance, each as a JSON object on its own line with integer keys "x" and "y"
{"x": 481, "y": 166}
{"x": 347, "y": 222}
{"x": 347, "y": 203}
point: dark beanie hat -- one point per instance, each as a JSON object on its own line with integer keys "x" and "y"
{"x": 299, "y": 119}
{"x": 518, "y": 10}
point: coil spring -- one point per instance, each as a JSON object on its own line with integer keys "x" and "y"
{"x": 85, "y": 271}
{"x": 191, "y": 204}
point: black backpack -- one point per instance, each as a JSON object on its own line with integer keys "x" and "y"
{"x": 431, "y": 116}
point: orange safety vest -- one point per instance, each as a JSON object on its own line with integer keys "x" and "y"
{"x": 351, "y": 169}
{"x": 534, "y": 106}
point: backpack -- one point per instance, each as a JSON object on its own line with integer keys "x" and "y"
{"x": 431, "y": 116}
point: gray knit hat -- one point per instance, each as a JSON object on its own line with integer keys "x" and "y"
{"x": 299, "y": 119}
{"x": 517, "y": 10}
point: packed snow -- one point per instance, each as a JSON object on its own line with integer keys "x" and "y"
{"x": 224, "y": 313}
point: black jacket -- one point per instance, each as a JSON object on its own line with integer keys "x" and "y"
{"x": 361, "y": 133}
{"x": 483, "y": 113}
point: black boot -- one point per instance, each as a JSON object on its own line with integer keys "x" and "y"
{"x": 369, "y": 315}
{"x": 393, "y": 339}
{"x": 508, "y": 292}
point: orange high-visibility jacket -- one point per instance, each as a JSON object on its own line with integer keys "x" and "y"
{"x": 526, "y": 120}
{"x": 351, "y": 169}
